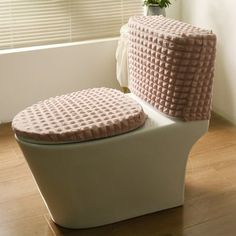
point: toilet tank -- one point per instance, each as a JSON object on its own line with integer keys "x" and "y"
{"x": 171, "y": 66}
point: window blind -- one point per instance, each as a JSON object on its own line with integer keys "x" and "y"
{"x": 26, "y": 23}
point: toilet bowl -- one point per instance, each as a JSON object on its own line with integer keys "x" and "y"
{"x": 112, "y": 176}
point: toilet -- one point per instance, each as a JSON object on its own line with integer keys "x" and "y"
{"x": 99, "y": 156}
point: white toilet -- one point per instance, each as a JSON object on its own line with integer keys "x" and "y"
{"x": 88, "y": 173}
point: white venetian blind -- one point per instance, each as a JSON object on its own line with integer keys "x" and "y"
{"x": 26, "y": 23}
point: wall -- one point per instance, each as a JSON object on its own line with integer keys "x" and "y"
{"x": 29, "y": 76}
{"x": 220, "y": 17}
{"x": 174, "y": 10}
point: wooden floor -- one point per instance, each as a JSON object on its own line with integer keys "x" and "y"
{"x": 210, "y": 198}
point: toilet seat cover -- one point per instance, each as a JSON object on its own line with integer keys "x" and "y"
{"x": 79, "y": 116}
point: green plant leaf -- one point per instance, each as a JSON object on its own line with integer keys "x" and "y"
{"x": 159, "y": 3}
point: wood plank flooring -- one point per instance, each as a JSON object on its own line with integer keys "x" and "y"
{"x": 210, "y": 194}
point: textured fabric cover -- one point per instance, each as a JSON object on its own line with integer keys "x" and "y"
{"x": 80, "y": 116}
{"x": 171, "y": 66}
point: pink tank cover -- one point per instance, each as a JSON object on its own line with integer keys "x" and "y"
{"x": 171, "y": 66}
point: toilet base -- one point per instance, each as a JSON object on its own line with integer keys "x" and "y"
{"x": 104, "y": 181}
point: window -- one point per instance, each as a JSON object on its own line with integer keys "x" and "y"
{"x": 26, "y": 23}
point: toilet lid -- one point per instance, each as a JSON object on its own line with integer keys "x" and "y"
{"x": 80, "y": 116}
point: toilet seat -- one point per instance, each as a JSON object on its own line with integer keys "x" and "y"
{"x": 80, "y": 116}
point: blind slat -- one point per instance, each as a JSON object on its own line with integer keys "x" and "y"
{"x": 26, "y": 23}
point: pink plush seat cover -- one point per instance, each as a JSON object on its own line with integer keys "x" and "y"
{"x": 171, "y": 66}
{"x": 79, "y": 116}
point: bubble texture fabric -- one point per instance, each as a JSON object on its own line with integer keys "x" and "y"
{"x": 171, "y": 66}
{"x": 79, "y": 116}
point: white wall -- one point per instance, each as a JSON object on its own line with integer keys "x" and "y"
{"x": 29, "y": 76}
{"x": 220, "y": 16}
{"x": 26, "y": 77}
{"x": 174, "y": 10}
